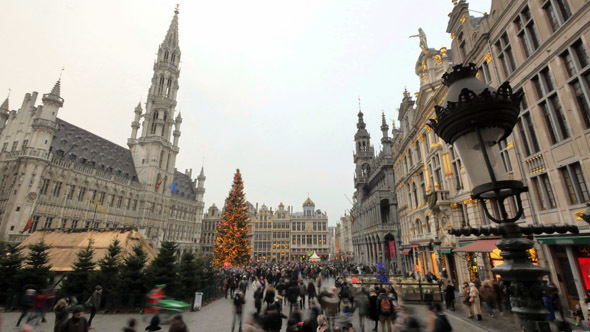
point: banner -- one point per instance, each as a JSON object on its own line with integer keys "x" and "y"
{"x": 392, "y": 251}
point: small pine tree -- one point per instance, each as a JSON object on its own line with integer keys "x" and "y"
{"x": 163, "y": 269}
{"x": 110, "y": 265}
{"x": 132, "y": 276}
{"x": 11, "y": 262}
{"x": 37, "y": 272}
{"x": 189, "y": 274}
{"x": 232, "y": 245}
{"x": 82, "y": 278}
{"x": 382, "y": 275}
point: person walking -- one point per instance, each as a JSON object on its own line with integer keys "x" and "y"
{"x": 488, "y": 296}
{"x": 292, "y": 294}
{"x": 62, "y": 312}
{"x": 373, "y": 308}
{"x": 385, "y": 310}
{"x": 311, "y": 293}
{"x": 302, "y": 293}
{"x": 440, "y": 323}
{"x": 474, "y": 300}
{"x": 269, "y": 297}
{"x": 76, "y": 323}
{"x": 466, "y": 299}
{"x": 499, "y": 296}
{"x": 93, "y": 303}
{"x": 26, "y": 304}
{"x": 361, "y": 305}
{"x": 258, "y": 294}
{"x": 239, "y": 301}
{"x": 450, "y": 295}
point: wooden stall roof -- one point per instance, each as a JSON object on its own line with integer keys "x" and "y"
{"x": 66, "y": 244}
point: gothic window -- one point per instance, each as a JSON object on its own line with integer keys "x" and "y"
{"x": 173, "y": 58}
{"x": 161, "y": 159}
{"x": 166, "y": 55}
{"x": 161, "y": 86}
{"x": 428, "y": 224}
{"x": 168, "y": 88}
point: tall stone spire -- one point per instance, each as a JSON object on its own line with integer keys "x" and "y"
{"x": 5, "y": 105}
{"x": 4, "y": 111}
{"x": 155, "y": 148}
{"x": 384, "y": 127}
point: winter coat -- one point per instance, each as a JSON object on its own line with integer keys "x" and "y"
{"x": 373, "y": 307}
{"x": 465, "y": 295}
{"x": 302, "y": 290}
{"x": 62, "y": 312}
{"x": 270, "y": 296}
{"x": 293, "y": 293}
{"x": 449, "y": 293}
{"x": 311, "y": 292}
{"x": 258, "y": 298}
{"x": 379, "y": 309}
{"x": 75, "y": 325}
{"x": 476, "y": 304}
{"x": 487, "y": 293}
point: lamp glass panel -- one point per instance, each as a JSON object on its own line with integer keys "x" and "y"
{"x": 471, "y": 153}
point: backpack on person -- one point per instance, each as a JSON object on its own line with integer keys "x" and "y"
{"x": 238, "y": 299}
{"x": 385, "y": 306}
{"x": 345, "y": 292}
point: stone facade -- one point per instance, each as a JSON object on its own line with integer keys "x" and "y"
{"x": 209, "y": 229}
{"x": 61, "y": 176}
{"x": 542, "y": 49}
{"x": 283, "y": 234}
{"x": 375, "y": 225}
{"x": 343, "y": 238}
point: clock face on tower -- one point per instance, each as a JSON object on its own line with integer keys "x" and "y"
{"x": 32, "y": 196}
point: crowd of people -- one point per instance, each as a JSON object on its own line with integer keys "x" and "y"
{"x": 310, "y": 297}
{"x": 281, "y": 291}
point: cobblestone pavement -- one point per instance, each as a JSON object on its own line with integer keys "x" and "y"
{"x": 214, "y": 317}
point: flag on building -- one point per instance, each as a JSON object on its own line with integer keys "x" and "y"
{"x": 173, "y": 187}
{"x": 30, "y": 222}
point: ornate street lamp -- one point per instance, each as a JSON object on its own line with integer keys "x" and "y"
{"x": 474, "y": 118}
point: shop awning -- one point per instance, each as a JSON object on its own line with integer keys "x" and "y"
{"x": 564, "y": 240}
{"x": 406, "y": 251}
{"x": 479, "y": 246}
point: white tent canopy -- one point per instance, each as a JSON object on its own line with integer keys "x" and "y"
{"x": 314, "y": 257}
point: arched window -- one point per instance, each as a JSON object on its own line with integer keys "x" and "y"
{"x": 415, "y": 194}
{"x": 418, "y": 152}
{"x": 154, "y": 118}
{"x": 173, "y": 58}
{"x": 161, "y": 158}
{"x": 166, "y": 55}
{"x": 427, "y": 224}
{"x": 168, "y": 87}
{"x": 161, "y": 86}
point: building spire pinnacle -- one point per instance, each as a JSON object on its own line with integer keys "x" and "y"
{"x": 4, "y": 105}
{"x": 171, "y": 39}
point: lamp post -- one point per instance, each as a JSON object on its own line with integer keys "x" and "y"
{"x": 474, "y": 118}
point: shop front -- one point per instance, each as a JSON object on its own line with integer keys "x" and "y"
{"x": 425, "y": 259}
{"x": 570, "y": 257}
{"x": 481, "y": 256}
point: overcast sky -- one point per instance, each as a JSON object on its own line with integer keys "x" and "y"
{"x": 269, "y": 87}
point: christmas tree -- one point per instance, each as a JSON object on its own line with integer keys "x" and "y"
{"x": 232, "y": 245}
{"x": 382, "y": 275}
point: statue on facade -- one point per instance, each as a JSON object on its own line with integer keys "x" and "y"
{"x": 422, "y": 36}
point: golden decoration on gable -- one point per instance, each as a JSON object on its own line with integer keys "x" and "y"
{"x": 488, "y": 57}
{"x": 452, "y": 36}
{"x": 438, "y": 59}
{"x": 416, "y": 94}
{"x": 463, "y": 19}
{"x": 420, "y": 137}
{"x": 443, "y": 50}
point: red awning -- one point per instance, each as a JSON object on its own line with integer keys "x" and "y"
{"x": 479, "y": 246}
{"x": 406, "y": 251}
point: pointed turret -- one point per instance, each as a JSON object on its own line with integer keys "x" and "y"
{"x": 176, "y": 133}
{"x": 171, "y": 39}
{"x": 4, "y": 106}
{"x": 4, "y": 112}
{"x": 201, "y": 185}
{"x": 54, "y": 96}
{"x": 135, "y": 123}
{"x": 384, "y": 127}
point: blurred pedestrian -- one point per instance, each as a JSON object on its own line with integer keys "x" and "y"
{"x": 466, "y": 300}
{"x": 154, "y": 324}
{"x": 62, "y": 311}
{"x": 130, "y": 326}
{"x": 76, "y": 323}
{"x": 440, "y": 322}
{"x": 177, "y": 325}
{"x": 385, "y": 310}
{"x": 450, "y": 295}
{"x": 239, "y": 301}
{"x": 26, "y": 303}
{"x": 474, "y": 300}
{"x": 373, "y": 314}
{"x": 488, "y": 296}
{"x": 93, "y": 303}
